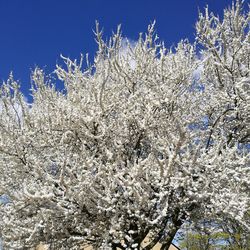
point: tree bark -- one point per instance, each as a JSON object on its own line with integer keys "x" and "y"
{"x": 177, "y": 222}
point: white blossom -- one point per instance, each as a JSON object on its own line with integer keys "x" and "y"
{"x": 141, "y": 141}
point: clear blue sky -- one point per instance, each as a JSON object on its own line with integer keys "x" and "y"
{"x": 36, "y": 32}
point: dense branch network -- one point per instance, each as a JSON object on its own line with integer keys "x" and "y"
{"x": 141, "y": 141}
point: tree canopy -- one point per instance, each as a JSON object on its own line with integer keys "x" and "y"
{"x": 140, "y": 141}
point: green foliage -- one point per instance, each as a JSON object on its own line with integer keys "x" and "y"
{"x": 215, "y": 241}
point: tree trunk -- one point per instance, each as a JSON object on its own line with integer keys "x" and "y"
{"x": 177, "y": 222}
{"x": 169, "y": 238}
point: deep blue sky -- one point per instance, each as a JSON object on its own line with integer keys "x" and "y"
{"x": 36, "y": 32}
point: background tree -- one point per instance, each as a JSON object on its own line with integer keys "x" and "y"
{"x": 207, "y": 235}
{"x": 134, "y": 146}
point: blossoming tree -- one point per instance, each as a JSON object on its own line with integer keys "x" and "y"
{"x": 134, "y": 145}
